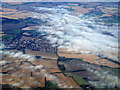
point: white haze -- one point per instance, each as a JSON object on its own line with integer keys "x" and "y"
{"x": 27, "y": 57}
{"x": 18, "y": 55}
{"x": 106, "y": 79}
{"x": 75, "y": 33}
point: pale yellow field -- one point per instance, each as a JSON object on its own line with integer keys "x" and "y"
{"x": 43, "y": 54}
{"x": 2, "y": 34}
{"x": 30, "y": 28}
{"x": 79, "y": 9}
{"x": 88, "y": 58}
{"x": 14, "y": 14}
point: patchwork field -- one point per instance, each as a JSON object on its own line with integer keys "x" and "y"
{"x": 88, "y": 58}
{"x": 59, "y": 45}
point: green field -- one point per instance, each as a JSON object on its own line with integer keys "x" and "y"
{"x": 78, "y": 79}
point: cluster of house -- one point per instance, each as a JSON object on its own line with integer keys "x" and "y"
{"x": 37, "y": 44}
